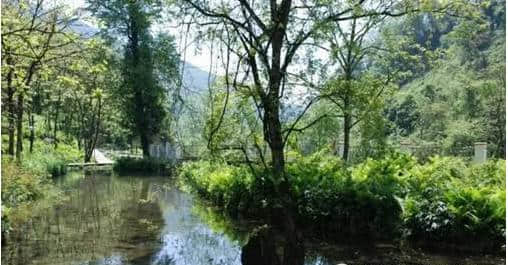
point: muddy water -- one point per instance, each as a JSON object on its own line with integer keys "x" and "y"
{"x": 108, "y": 220}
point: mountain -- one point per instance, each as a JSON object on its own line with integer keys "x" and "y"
{"x": 195, "y": 80}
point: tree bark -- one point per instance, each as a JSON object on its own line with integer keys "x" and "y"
{"x": 145, "y": 145}
{"x": 347, "y": 128}
{"x": 55, "y": 127}
{"x": 273, "y": 134}
{"x": 10, "y": 108}
{"x": 19, "y": 126}
{"x": 31, "y": 123}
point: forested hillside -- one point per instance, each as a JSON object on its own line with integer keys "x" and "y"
{"x": 447, "y": 89}
{"x": 457, "y": 97}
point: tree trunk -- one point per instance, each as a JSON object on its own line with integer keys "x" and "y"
{"x": 20, "y": 109}
{"x": 145, "y": 144}
{"x": 347, "y": 132}
{"x": 57, "y": 112}
{"x": 19, "y": 125}
{"x": 31, "y": 123}
{"x": 347, "y": 122}
{"x": 273, "y": 134}
{"x": 294, "y": 249}
{"x": 10, "y": 110}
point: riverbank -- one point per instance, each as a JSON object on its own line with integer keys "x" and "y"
{"x": 27, "y": 184}
{"x": 395, "y": 199}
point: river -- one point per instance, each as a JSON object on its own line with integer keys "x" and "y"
{"x": 109, "y": 220}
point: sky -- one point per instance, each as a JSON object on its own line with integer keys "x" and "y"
{"x": 199, "y": 59}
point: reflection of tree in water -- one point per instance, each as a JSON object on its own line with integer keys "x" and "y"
{"x": 261, "y": 244}
{"x": 198, "y": 246}
{"x": 102, "y": 216}
{"x": 186, "y": 240}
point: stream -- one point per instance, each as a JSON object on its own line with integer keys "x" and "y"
{"x": 110, "y": 220}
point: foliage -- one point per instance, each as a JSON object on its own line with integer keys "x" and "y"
{"x": 226, "y": 186}
{"x": 20, "y": 188}
{"x": 126, "y": 165}
{"x": 448, "y": 201}
{"x": 45, "y": 159}
{"x": 149, "y": 66}
{"x": 444, "y": 199}
{"x": 456, "y": 98}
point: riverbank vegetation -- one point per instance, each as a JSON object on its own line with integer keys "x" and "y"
{"x": 25, "y": 183}
{"x": 444, "y": 200}
{"x": 126, "y": 165}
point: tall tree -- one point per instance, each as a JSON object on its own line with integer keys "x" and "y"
{"x": 269, "y": 35}
{"x": 143, "y": 93}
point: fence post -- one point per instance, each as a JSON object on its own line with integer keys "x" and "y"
{"x": 480, "y": 152}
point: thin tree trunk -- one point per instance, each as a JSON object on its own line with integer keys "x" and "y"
{"x": 20, "y": 109}
{"x": 10, "y": 109}
{"x": 19, "y": 126}
{"x": 347, "y": 132}
{"x": 55, "y": 127}
{"x": 31, "y": 123}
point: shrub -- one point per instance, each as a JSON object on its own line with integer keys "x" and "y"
{"x": 227, "y": 186}
{"x": 443, "y": 200}
{"x": 450, "y": 202}
{"x": 379, "y": 186}
{"x": 19, "y": 187}
{"x": 45, "y": 159}
{"x": 126, "y": 165}
{"x": 318, "y": 182}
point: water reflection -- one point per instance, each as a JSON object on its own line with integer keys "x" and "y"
{"x": 100, "y": 216}
{"x": 187, "y": 240}
{"x": 108, "y": 220}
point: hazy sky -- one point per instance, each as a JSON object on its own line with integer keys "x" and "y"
{"x": 201, "y": 60}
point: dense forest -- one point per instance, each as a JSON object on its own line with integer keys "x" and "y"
{"x": 337, "y": 121}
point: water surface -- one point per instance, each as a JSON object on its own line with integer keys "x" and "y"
{"x": 109, "y": 220}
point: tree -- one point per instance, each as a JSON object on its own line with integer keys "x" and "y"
{"x": 88, "y": 80}
{"x": 265, "y": 37}
{"x": 143, "y": 94}
{"x": 34, "y": 34}
{"x": 355, "y": 91}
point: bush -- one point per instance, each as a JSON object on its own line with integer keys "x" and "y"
{"x": 126, "y": 165}
{"x": 443, "y": 200}
{"x": 360, "y": 201}
{"x": 45, "y": 159}
{"x": 19, "y": 187}
{"x": 450, "y": 202}
{"x": 226, "y": 186}
{"x": 28, "y": 181}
